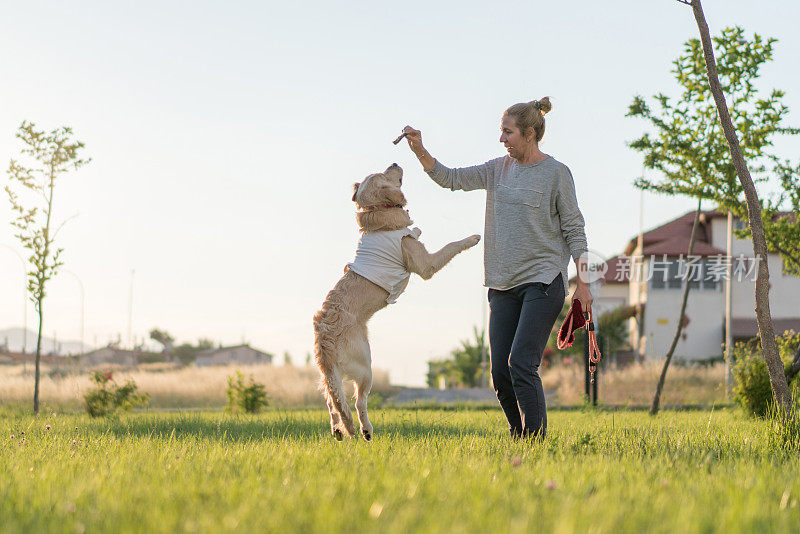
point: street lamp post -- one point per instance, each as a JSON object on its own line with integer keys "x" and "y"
{"x": 83, "y": 308}
{"x": 24, "y": 298}
{"x": 130, "y": 311}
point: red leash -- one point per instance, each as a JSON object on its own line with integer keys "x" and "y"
{"x": 575, "y": 320}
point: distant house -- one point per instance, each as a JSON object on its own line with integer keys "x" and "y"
{"x": 651, "y": 278}
{"x": 20, "y": 358}
{"x": 239, "y": 354}
{"x": 109, "y": 356}
{"x": 658, "y": 295}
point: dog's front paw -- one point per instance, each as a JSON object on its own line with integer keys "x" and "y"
{"x": 367, "y": 433}
{"x": 472, "y": 240}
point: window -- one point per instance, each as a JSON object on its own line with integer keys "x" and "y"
{"x": 671, "y": 274}
{"x": 674, "y": 280}
{"x": 664, "y": 273}
{"x": 711, "y": 279}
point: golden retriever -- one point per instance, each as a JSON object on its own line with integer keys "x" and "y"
{"x": 341, "y": 345}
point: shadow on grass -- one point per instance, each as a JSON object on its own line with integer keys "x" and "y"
{"x": 259, "y": 428}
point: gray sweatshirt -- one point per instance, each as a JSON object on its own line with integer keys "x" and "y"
{"x": 533, "y": 224}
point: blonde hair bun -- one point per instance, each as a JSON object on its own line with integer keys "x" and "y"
{"x": 529, "y": 116}
{"x": 543, "y": 105}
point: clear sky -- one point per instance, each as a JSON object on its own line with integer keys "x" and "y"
{"x": 226, "y": 137}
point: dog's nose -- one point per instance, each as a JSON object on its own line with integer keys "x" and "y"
{"x": 394, "y": 165}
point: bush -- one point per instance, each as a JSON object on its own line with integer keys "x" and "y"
{"x": 247, "y": 397}
{"x": 108, "y": 397}
{"x": 751, "y": 389}
{"x": 464, "y": 369}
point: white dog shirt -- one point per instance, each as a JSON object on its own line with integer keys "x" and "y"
{"x": 379, "y": 259}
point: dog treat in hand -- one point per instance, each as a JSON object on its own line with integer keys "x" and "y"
{"x": 400, "y": 138}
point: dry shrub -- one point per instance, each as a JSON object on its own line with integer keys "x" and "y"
{"x": 177, "y": 387}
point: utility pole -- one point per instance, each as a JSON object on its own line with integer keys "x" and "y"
{"x": 639, "y": 276}
{"x": 729, "y": 307}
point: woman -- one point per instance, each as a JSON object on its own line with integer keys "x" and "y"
{"x": 533, "y": 225}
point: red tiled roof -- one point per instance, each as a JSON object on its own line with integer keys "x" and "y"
{"x": 655, "y": 241}
{"x": 618, "y": 268}
{"x": 680, "y": 227}
{"x": 675, "y": 246}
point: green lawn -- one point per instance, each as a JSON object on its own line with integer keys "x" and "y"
{"x": 426, "y": 471}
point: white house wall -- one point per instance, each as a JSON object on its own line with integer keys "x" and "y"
{"x": 784, "y": 295}
{"x": 615, "y": 293}
{"x": 239, "y": 355}
{"x": 637, "y": 293}
{"x": 703, "y": 333}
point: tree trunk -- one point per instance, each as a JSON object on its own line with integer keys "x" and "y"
{"x": 38, "y": 358}
{"x": 657, "y": 397}
{"x": 777, "y": 378}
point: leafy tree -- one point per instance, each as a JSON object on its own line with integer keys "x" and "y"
{"x": 205, "y": 344}
{"x": 780, "y": 387}
{"x": 287, "y": 358}
{"x": 779, "y": 216}
{"x": 47, "y": 156}
{"x": 613, "y": 328}
{"x": 185, "y": 353}
{"x": 463, "y": 369}
{"x": 690, "y": 146}
{"x": 691, "y": 150}
{"x": 162, "y": 337}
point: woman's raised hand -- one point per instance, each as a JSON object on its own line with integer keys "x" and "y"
{"x": 414, "y": 138}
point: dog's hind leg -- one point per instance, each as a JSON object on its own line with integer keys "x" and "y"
{"x": 334, "y": 393}
{"x": 330, "y": 338}
{"x": 363, "y": 387}
{"x": 359, "y": 371}
{"x": 335, "y": 420}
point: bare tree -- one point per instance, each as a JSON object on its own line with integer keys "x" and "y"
{"x": 681, "y": 318}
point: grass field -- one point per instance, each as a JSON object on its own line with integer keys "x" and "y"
{"x": 426, "y": 471}
{"x": 296, "y": 386}
{"x": 173, "y": 386}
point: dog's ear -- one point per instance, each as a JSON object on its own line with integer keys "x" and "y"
{"x": 355, "y": 191}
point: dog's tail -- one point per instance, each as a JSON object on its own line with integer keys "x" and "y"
{"x": 328, "y": 327}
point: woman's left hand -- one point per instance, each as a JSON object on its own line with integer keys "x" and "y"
{"x": 583, "y": 294}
